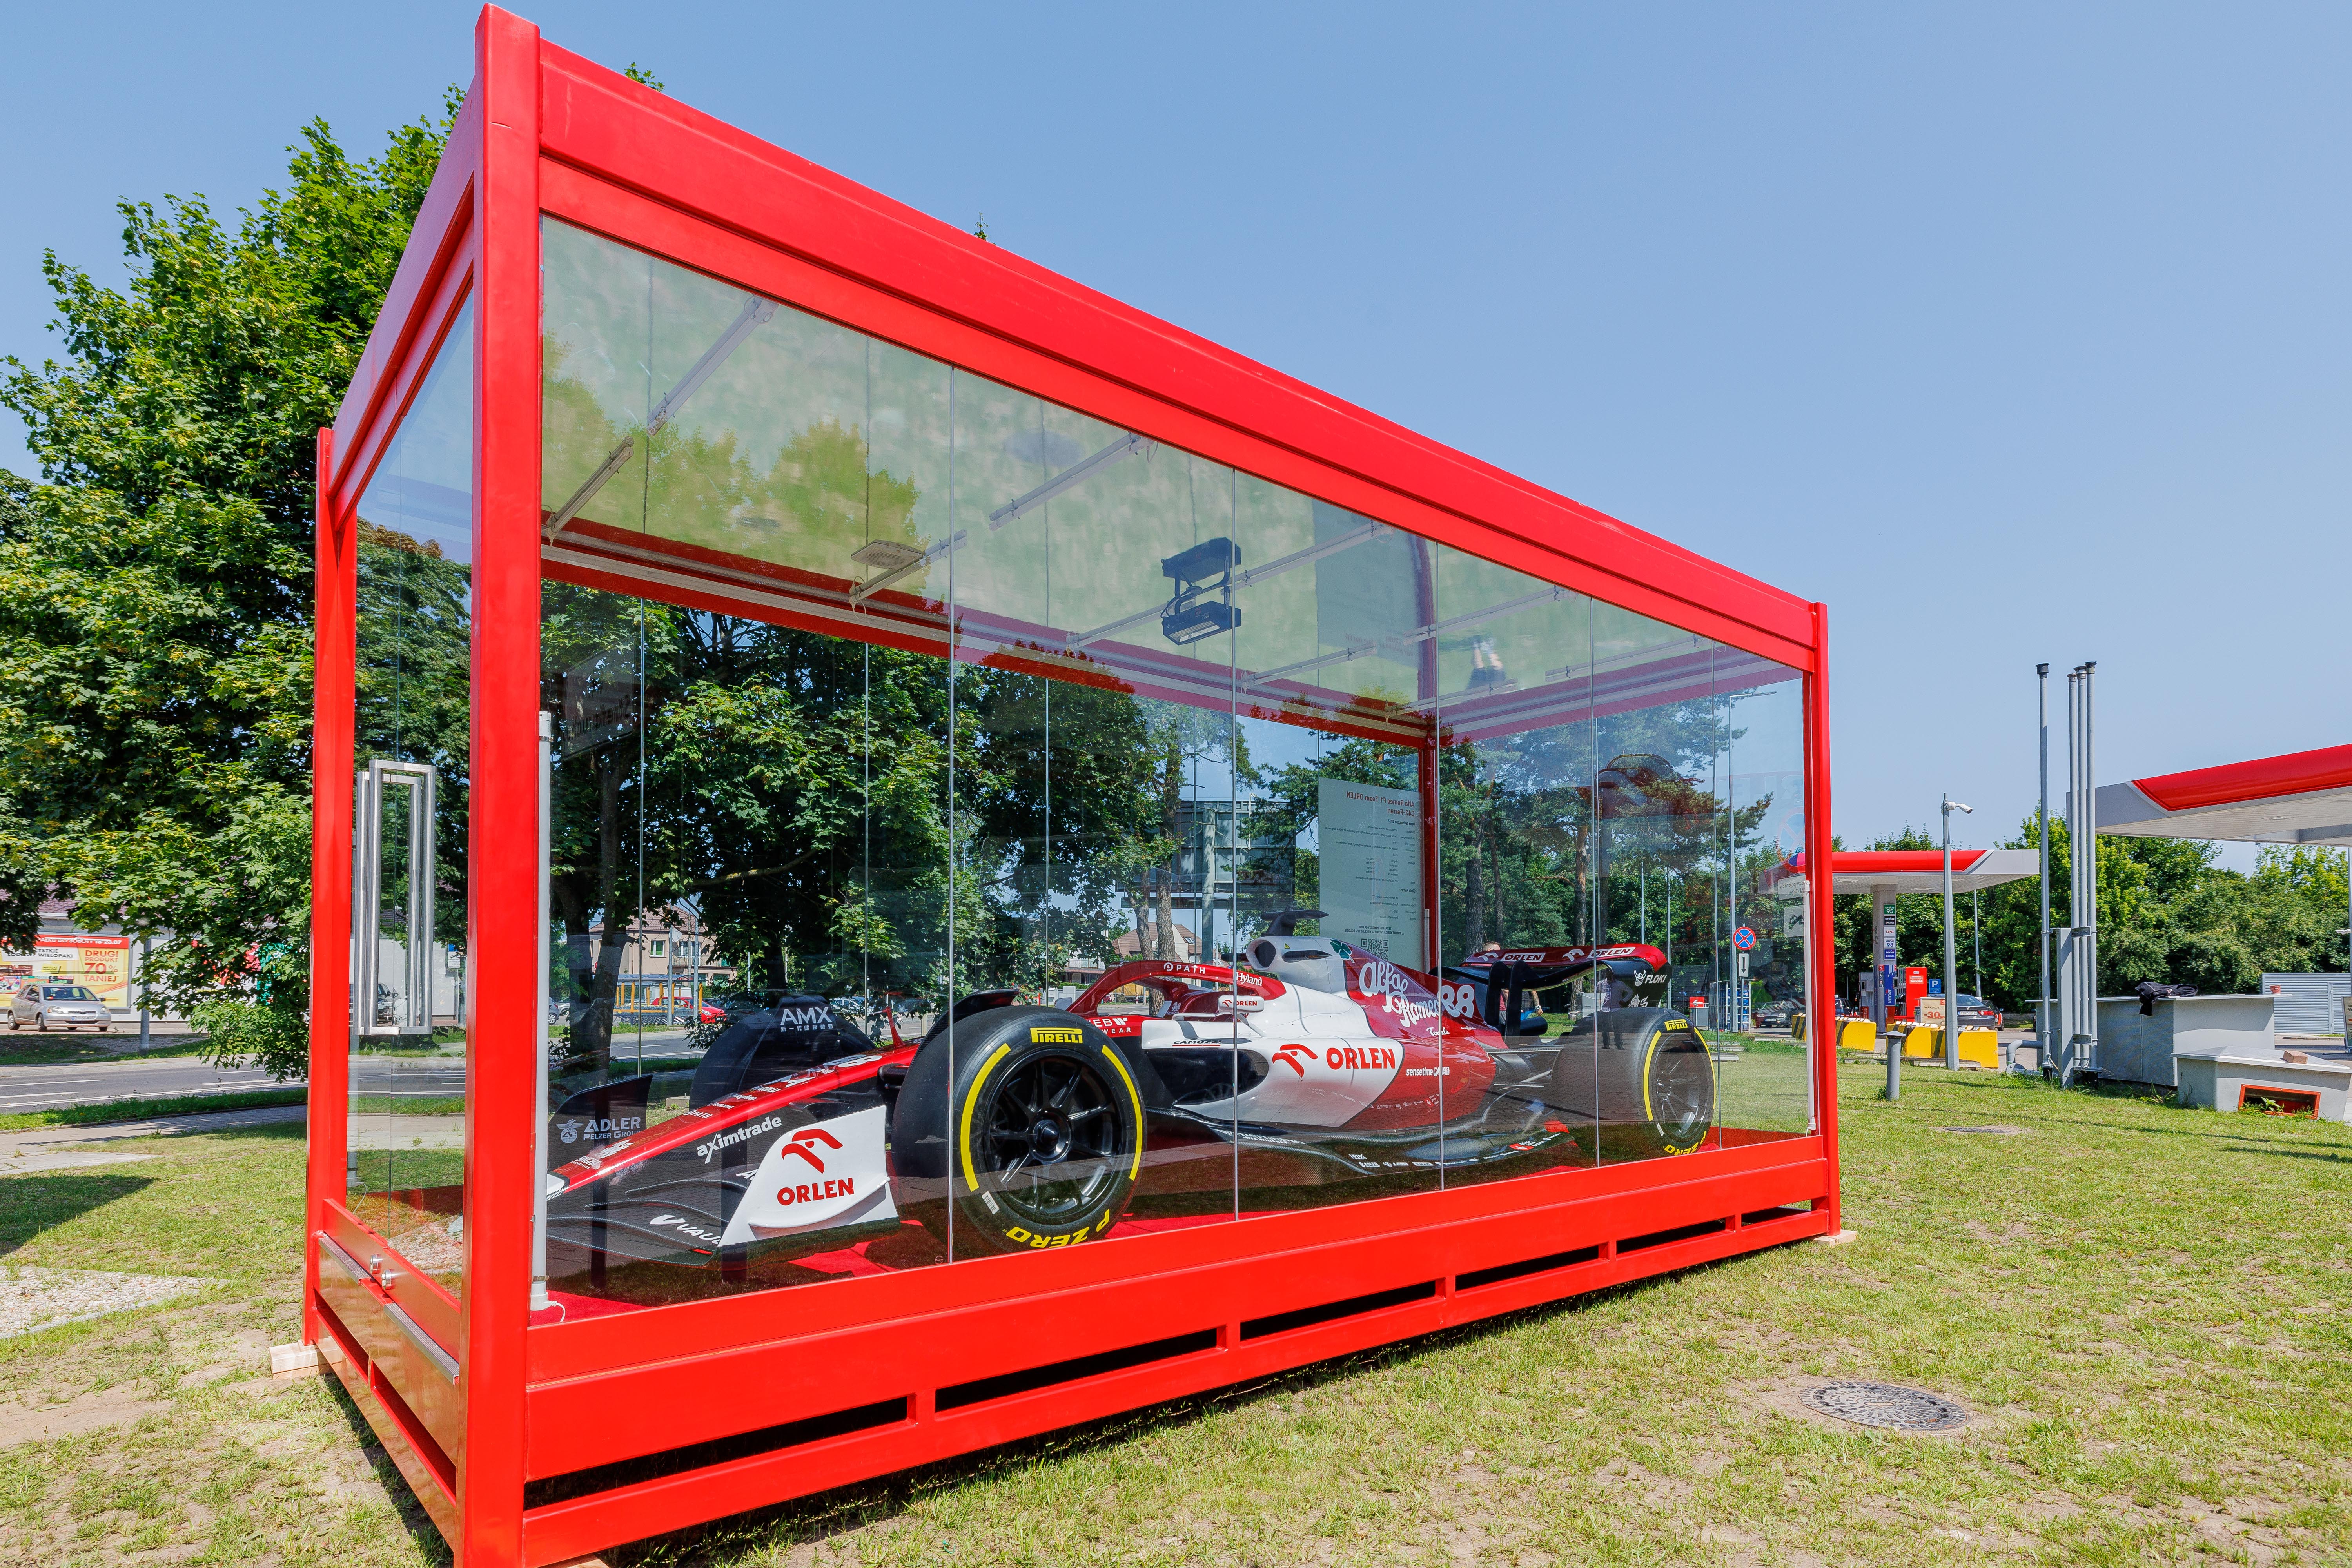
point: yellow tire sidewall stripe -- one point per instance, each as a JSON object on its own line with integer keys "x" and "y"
{"x": 1649, "y": 1060}
{"x": 1135, "y": 1099}
{"x": 970, "y": 1099}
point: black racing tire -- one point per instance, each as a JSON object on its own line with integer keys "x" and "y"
{"x": 1036, "y": 1137}
{"x": 1642, "y": 1077}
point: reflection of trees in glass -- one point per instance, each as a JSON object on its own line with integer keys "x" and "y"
{"x": 1527, "y": 860}
{"x": 796, "y": 788}
{"x": 413, "y": 687}
{"x": 820, "y": 498}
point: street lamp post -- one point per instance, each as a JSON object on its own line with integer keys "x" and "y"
{"x": 1951, "y": 950}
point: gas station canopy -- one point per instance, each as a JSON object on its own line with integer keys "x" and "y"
{"x": 1912, "y": 870}
{"x": 2303, "y": 797}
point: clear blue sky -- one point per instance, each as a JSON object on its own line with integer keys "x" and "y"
{"x": 2014, "y": 333}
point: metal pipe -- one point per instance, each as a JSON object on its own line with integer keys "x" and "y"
{"x": 2042, "y": 997}
{"x": 1951, "y": 958}
{"x": 1882, "y": 926}
{"x": 2090, "y": 1060}
{"x": 2065, "y": 937}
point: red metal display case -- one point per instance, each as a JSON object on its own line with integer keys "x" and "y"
{"x": 535, "y": 1441}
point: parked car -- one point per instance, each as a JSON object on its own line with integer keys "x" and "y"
{"x": 49, "y": 1005}
{"x": 1976, "y": 1013}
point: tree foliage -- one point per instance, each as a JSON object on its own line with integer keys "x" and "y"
{"x": 2166, "y": 913}
{"x": 155, "y": 586}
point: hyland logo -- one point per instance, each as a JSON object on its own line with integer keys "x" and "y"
{"x": 1051, "y": 1035}
{"x": 1295, "y": 1057}
{"x": 825, "y": 1174}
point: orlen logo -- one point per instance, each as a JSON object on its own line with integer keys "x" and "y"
{"x": 1295, "y": 1057}
{"x": 1341, "y": 1057}
{"x": 804, "y": 1144}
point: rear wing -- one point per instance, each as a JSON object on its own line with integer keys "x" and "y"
{"x": 1503, "y": 982}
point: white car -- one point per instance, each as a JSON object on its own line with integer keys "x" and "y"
{"x": 50, "y": 1004}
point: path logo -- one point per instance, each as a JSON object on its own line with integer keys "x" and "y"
{"x": 816, "y": 1177}
{"x": 1052, "y": 1035}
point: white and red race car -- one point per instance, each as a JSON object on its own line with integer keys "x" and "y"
{"x": 1014, "y": 1127}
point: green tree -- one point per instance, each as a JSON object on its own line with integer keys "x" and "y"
{"x": 154, "y": 589}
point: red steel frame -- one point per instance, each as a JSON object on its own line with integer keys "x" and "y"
{"x": 544, "y": 130}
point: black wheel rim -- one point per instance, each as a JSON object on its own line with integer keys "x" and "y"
{"x": 1682, "y": 1093}
{"x": 1052, "y": 1148}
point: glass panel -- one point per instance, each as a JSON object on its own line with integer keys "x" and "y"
{"x": 407, "y": 1161}
{"x": 1074, "y": 837}
{"x": 1764, "y": 1086}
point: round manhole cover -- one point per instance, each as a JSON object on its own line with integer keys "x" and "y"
{"x": 1885, "y": 1404}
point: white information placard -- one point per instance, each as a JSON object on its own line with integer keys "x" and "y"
{"x": 1367, "y": 847}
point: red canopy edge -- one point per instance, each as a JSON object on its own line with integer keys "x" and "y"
{"x": 2263, "y": 778}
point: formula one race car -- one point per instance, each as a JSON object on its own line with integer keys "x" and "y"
{"x": 1012, "y": 1127}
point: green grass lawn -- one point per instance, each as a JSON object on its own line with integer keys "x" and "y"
{"x": 138, "y": 1109}
{"x": 60, "y": 1048}
{"x": 2147, "y": 1307}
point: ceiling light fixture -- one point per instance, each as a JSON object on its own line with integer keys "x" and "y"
{"x": 1205, "y": 569}
{"x": 1254, "y": 575}
{"x": 894, "y": 561}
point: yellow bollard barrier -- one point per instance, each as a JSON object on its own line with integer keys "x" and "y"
{"x": 1978, "y": 1047}
{"x": 1857, "y": 1034}
{"x": 1797, "y": 1028}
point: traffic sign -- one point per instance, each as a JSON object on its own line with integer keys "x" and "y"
{"x": 1743, "y": 938}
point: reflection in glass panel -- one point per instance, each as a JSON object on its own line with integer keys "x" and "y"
{"x": 407, "y": 1130}
{"x": 1075, "y": 838}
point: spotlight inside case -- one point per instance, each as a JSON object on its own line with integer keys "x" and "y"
{"x": 1203, "y": 605}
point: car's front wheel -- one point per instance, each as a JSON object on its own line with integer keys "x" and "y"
{"x": 1032, "y": 1121}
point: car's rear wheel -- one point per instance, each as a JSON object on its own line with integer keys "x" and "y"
{"x": 1033, "y": 1124}
{"x": 1642, "y": 1077}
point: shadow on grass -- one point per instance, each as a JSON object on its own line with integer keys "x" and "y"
{"x": 425, "y": 1535}
{"x": 825, "y": 1515}
{"x": 32, "y": 1205}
